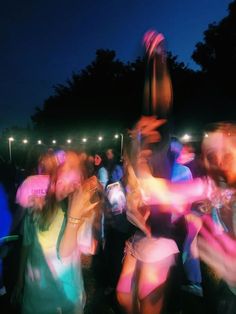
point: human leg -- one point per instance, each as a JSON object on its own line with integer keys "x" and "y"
{"x": 124, "y": 286}
{"x": 151, "y": 285}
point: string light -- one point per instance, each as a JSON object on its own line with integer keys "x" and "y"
{"x": 186, "y": 137}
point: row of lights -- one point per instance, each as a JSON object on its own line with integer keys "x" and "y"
{"x": 185, "y": 138}
{"x": 68, "y": 141}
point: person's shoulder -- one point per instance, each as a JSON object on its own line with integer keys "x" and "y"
{"x": 118, "y": 167}
{"x": 181, "y": 173}
{"x": 102, "y": 170}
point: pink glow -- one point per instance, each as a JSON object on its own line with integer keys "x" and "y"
{"x": 158, "y": 87}
{"x": 152, "y": 40}
{"x": 218, "y": 251}
{"x": 178, "y": 195}
{"x": 32, "y": 188}
{"x": 186, "y": 155}
{"x": 67, "y": 183}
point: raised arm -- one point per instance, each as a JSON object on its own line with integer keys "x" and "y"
{"x": 80, "y": 208}
{"x": 161, "y": 191}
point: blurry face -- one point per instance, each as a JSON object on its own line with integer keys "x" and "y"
{"x": 220, "y": 154}
{"x": 228, "y": 163}
{"x": 67, "y": 183}
{"x": 97, "y": 160}
{"x": 109, "y": 154}
{"x": 91, "y": 159}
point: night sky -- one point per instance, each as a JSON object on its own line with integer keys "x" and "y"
{"x": 43, "y": 41}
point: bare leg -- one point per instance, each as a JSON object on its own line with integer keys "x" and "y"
{"x": 153, "y": 303}
{"x": 151, "y": 284}
{"x": 124, "y": 286}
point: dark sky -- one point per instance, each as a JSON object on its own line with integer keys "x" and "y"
{"x": 43, "y": 41}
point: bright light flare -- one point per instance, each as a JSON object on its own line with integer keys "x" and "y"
{"x": 24, "y": 141}
{"x": 186, "y": 137}
{"x": 100, "y": 138}
{"x": 11, "y": 139}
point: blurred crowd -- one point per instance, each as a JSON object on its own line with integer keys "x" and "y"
{"x": 152, "y": 231}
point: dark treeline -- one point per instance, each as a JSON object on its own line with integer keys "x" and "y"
{"x": 108, "y": 93}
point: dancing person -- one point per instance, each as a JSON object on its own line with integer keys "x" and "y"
{"x": 219, "y": 157}
{"x": 146, "y": 264}
{"x": 218, "y": 191}
{"x": 50, "y": 279}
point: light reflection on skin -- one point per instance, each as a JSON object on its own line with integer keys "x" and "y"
{"x": 219, "y": 150}
{"x": 219, "y": 252}
{"x": 161, "y": 191}
{"x": 186, "y": 155}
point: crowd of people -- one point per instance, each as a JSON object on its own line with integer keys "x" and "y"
{"x": 150, "y": 232}
{"x": 90, "y": 233}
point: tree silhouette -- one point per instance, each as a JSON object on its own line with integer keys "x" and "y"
{"x": 101, "y": 93}
{"x": 107, "y": 93}
{"x": 217, "y": 53}
{"x": 217, "y": 57}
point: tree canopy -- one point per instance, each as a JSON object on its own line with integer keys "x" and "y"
{"x": 216, "y": 55}
{"x": 109, "y": 92}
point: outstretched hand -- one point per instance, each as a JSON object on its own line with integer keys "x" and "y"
{"x": 82, "y": 203}
{"x": 146, "y": 129}
{"x": 218, "y": 251}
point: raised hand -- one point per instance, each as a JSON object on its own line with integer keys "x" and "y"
{"x": 218, "y": 251}
{"x": 152, "y": 40}
{"x": 146, "y": 129}
{"x": 82, "y": 201}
